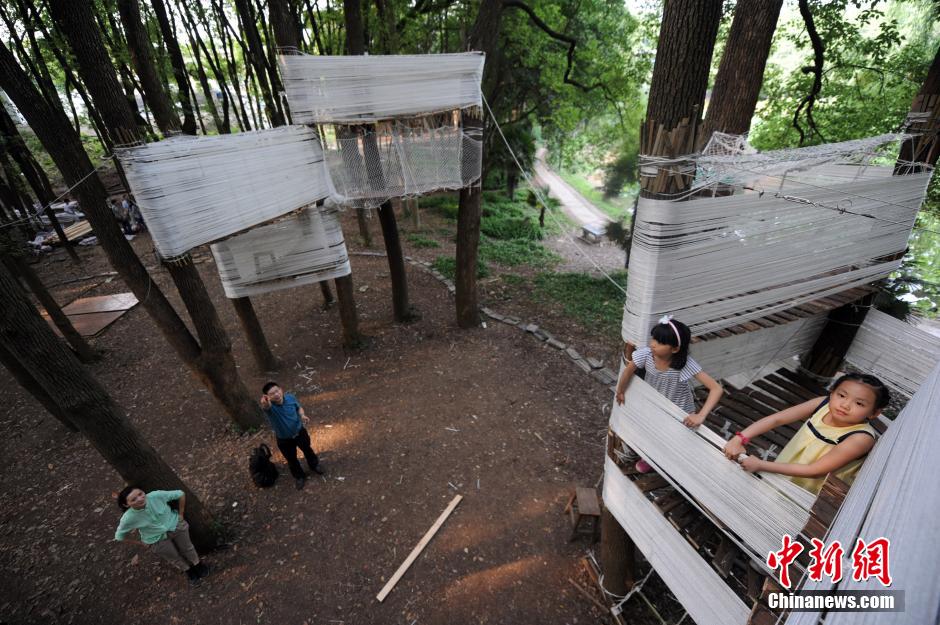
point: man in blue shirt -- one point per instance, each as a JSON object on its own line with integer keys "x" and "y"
{"x": 287, "y": 419}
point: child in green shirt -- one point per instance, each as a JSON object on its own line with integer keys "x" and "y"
{"x": 162, "y": 529}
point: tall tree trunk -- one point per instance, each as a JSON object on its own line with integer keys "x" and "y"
{"x": 138, "y": 44}
{"x": 741, "y": 73}
{"x": 677, "y": 91}
{"x": 355, "y": 45}
{"x": 71, "y": 159}
{"x": 256, "y": 57}
{"x": 179, "y": 65}
{"x": 198, "y": 49}
{"x": 34, "y": 388}
{"x": 228, "y": 54}
{"x": 27, "y": 338}
{"x": 82, "y": 349}
{"x": 485, "y": 38}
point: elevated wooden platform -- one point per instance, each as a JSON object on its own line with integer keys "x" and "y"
{"x": 783, "y": 317}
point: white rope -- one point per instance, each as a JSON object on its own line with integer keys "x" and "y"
{"x": 195, "y": 190}
{"x": 305, "y": 248}
{"x": 357, "y": 89}
{"x": 716, "y": 262}
{"x": 897, "y": 352}
{"x": 758, "y": 510}
{"x": 738, "y": 353}
{"x": 695, "y": 584}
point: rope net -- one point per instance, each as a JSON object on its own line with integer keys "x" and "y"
{"x": 402, "y": 158}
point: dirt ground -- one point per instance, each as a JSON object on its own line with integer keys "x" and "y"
{"x": 425, "y": 412}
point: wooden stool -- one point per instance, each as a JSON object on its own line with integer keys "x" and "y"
{"x": 583, "y": 505}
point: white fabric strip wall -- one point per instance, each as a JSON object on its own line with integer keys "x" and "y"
{"x": 410, "y": 161}
{"x": 709, "y": 600}
{"x": 195, "y": 190}
{"x": 357, "y": 89}
{"x": 722, "y": 357}
{"x": 715, "y": 262}
{"x": 895, "y": 496}
{"x": 758, "y": 511}
{"x": 302, "y": 249}
{"x": 897, "y": 352}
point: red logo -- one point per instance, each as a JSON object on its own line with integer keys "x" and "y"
{"x": 868, "y": 560}
{"x": 871, "y": 560}
{"x": 826, "y": 561}
{"x": 782, "y": 559}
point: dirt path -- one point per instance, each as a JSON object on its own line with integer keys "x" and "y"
{"x": 425, "y": 412}
{"x": 578, "y": 255}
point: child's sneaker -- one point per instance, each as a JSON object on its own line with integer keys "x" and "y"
{"x": 642, "y": 466}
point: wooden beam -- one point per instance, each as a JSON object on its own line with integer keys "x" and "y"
{"x": 418, "y": 548}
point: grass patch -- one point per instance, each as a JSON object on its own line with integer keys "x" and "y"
{"x": 516, "y": 252}
{"x": 616, "y": 208}
{"x": 444, "y": 204}
{"x": 593, "y": 302}
{"x": 511, "y": 279}
{"x": 421, "y": 241}
{"x": 447, "y": 265}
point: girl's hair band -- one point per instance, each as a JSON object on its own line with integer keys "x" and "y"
{"x": 667, "y": 320}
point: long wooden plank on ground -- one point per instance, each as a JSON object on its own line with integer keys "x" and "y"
{"x": 418, "y": 548}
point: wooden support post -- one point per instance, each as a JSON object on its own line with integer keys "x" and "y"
{"x": 327, "y": 294}
{"x": 618, "y": 556}
{"x": 347, "y": 313}
{"x": 264, "y": 357}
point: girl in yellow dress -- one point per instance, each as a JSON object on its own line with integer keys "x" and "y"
{"x": 835, "y": 436}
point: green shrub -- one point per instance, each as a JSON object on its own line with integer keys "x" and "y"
{"x": 447, "y": 265}
{"x": 420, "y": 241}
{"x": 515, "y": 252}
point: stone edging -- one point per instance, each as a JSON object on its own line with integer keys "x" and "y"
{"x": 591, "y": 366}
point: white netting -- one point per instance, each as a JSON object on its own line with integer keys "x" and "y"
{"x": 403, "y": 159}
{"x": 304, "y": 248}
{"x": 730, "y": 160}
{"x": 195, "y": 190}
{"x": 357, "y": 89}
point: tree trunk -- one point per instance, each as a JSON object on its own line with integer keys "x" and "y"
{"x": 683, "y": 58}
{"x": 51, "y": 127}
{"x": 284, "y": 24}
{"x": 179, "y": 65}
{"x": 355, "y": 36}
{"x": 84, "y": 351}
{"x": 256, "y": 57}
{"x": 138, "y": 44}
{"x": 327, "y": 294}
{"x": 741, "y": 73}
{"x": 485, "y": 38}
{"x": 618, "y": 556}
{"x": 27, "y": 338}
{"x": 264, "y": 358}
{"x": 924, "y": 146}
{"x": 347, "y": 313}
{"x": 34, "y": 388}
